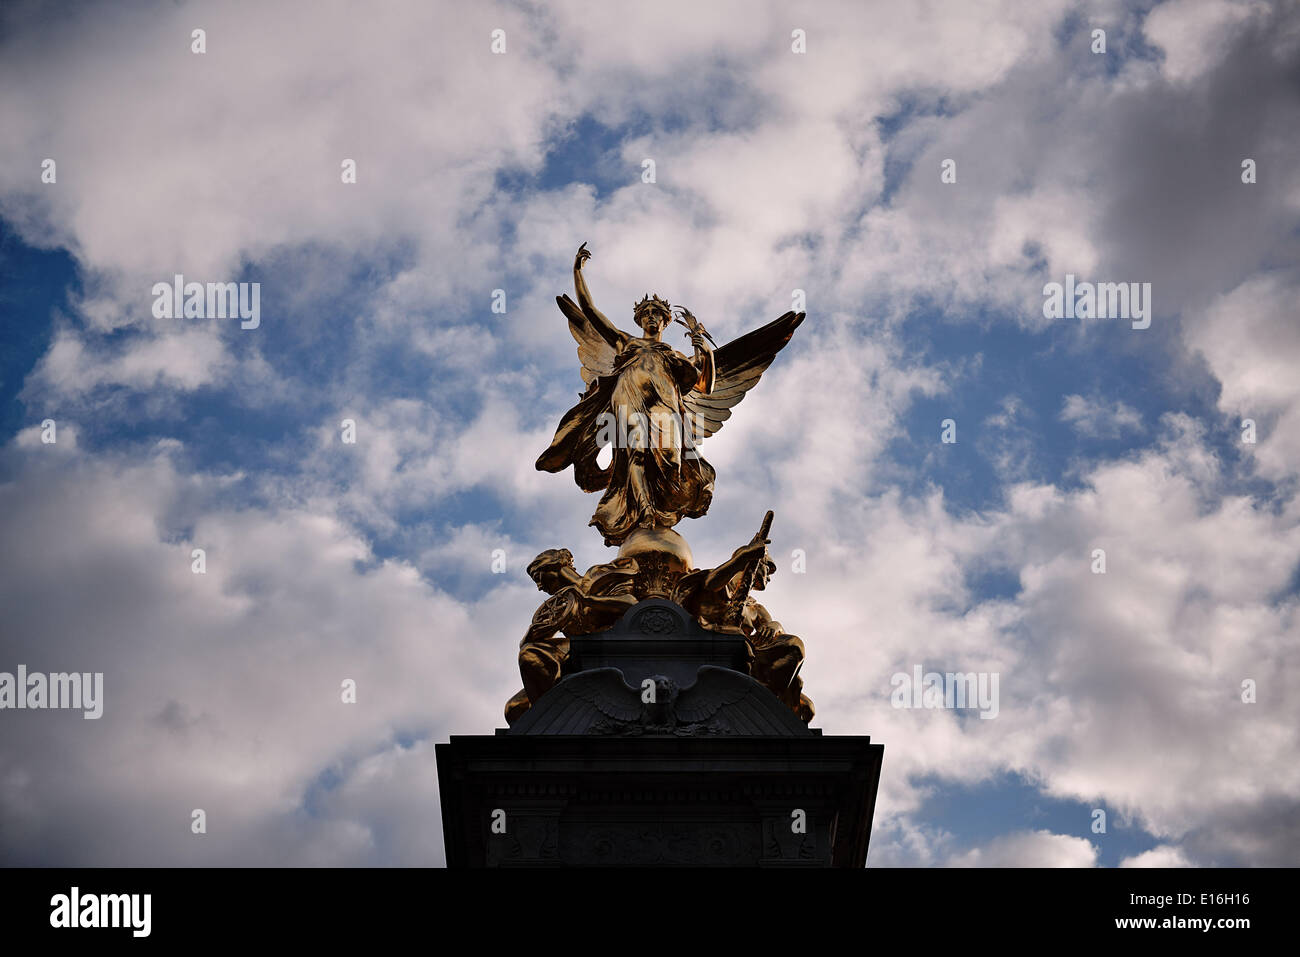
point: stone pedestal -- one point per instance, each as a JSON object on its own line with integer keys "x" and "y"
{"x": 600, "y": 801}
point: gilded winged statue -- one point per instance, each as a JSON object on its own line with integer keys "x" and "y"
{"x": 654, "y": 405}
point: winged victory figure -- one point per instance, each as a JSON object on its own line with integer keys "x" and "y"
{"x": 654, "y": 405}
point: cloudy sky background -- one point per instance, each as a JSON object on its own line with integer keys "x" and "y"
{"x": 775, "y": 172}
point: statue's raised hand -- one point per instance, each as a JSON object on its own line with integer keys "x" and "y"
{"x": 694, "y": 328}
{"x": 583, "y": 255}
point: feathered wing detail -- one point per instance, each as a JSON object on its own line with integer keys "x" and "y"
{"x": 599, "y": 340}
{"x": 714, "y": 689}
{"x": 739, "y": 365}
{"x": 607, "y": 691}
{"x": 580, "y": 701}
{"x": 738, "y": 702}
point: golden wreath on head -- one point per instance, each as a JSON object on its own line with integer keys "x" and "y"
{"x": 651, "y": 302}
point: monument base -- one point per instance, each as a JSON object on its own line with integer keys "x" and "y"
{"x": 728, "y": 801}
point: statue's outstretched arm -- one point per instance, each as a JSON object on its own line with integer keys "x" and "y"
{"x": 579, "y": 283}
{"x": 718, "y": 578}
{"x": 608, "y": 331}
{"x": 703, "y": 358}
{"x": 704, "y": 362}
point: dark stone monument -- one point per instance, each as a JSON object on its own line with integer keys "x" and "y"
{"x": 714, "y": 771}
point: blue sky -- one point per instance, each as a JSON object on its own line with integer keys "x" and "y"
{"x": 776, "y": 172}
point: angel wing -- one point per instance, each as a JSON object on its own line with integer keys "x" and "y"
{"x": 738, "y": 366}
{"x": 599, "y": 340}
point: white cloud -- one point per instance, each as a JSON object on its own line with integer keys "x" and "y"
{"x": 183, "y": 359}
{"x": 1096, "y": 418}
{"x": 1251, "y": 342}
{"x": 1030, "y": 849}
{"x": 1162, "y": 856}
{"x": 1192, "y": 33}
{"x": 222, "y": 690}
